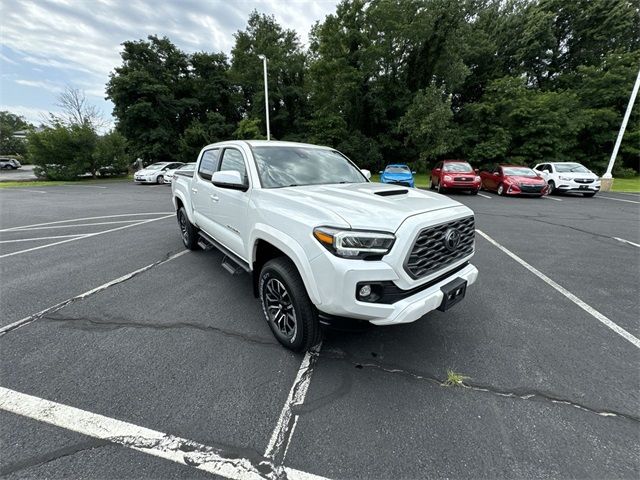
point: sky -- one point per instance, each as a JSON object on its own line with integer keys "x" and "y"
{"x": 46, "y": 45}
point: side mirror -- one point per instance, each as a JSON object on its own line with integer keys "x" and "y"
{"x": 496, "y": 173}
{"x": 229, "y": 179}
{"x": 380, "y": 172}
{"x": 413, "y": 172}
{"x": 477, "y": 171}
{"x": 366, "y": 173}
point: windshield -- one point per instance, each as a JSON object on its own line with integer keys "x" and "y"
{"x": 295, "y": 166}
{"x": 570, "y": 167}
{"x": 519, "y": 171}
{"x": 457, "y": 167}
{"x": 397, "y": 169}
{"x": 156, "y": 166}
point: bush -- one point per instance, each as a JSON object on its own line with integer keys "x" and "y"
{"x": 623, "y": 172}
{"x": 62, "y": 153}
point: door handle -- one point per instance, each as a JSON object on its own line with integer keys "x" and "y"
{"x": 194, "y": 190}
{"x": 214, "y": 197}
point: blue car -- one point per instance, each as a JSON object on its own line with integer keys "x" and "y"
{"x": 398, "y": 174}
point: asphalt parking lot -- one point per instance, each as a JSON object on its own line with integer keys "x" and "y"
{"x": 124, "y": 356}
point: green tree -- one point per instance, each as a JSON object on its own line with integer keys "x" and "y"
{"x": 248, "y": 129}
{"x": 63, "y": 152}
{"x": 11, "y": 123}
{"x": 214, "y": 128}
{"x": 110, "y": 154}
{"x": 285, "y": 71}
{"x": 428, "y": 123}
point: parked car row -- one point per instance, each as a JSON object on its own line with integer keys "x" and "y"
{"x": 161, "y": 172}
{"x": 504, "y": 179}
{"x": 7, "y": 163}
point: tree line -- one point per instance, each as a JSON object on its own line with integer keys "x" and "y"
{"x": 409, "y": 81}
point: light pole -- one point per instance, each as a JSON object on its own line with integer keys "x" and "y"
{"x": 607, "y": 176}
{"x": 266, "y": 93}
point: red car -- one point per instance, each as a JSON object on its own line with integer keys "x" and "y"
{"x": 454, "y": 175}
{"x": 513, "y": 180}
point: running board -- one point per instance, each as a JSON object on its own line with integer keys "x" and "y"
{"x": 230, "y": 262}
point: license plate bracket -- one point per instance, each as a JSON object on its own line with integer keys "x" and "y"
{"x": 453, "y": 292}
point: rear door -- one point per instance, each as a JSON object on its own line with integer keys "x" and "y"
{"x": 201, "y": 189}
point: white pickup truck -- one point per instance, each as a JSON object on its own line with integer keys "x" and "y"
{"x": 322, "y": 243}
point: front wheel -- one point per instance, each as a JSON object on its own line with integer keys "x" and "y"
{"x": 501, "y": 189}
{"x": 160, "y": 180}
{"x": 440, "y": 188}
{"x": 551, "y": 187}
{"x": 188, "y": 231}
{"x": 475, "y": 192}
{"x": 292, "y": 317}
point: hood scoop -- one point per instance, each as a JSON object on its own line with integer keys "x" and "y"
{"x": 389, "y": 193}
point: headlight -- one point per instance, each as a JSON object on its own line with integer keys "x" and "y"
{"x": 566, "y": 179}
{"x": 447, "y": 178}
{"x": 353, "y": 243}
{"x": 477, "y": 179}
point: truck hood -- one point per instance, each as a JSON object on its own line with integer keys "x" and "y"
{"x": 361, "y": 205}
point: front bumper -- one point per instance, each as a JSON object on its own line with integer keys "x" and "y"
{"x": 337, "y": 279}
{"x": 404, "y": 183}
{"x": 461, "y": 185}
{"x": 571, "y": 186}
{"x": 143, "y": 180}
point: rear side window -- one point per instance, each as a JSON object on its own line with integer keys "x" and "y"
{"x": 208, "y": 164}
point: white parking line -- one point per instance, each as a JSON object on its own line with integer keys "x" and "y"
{"x": 81, "y": 186}
{"x": 637, "y": 195}
{"x": 23, "y": 190}
{"x": 49, "y": 227}
{"x": 551, "y": 198}
{"x": 88, "y": 293}
{"x": 626, "y": 241}
{"x": 152, "y": 442}
{"x": 616, "y": 199}
{"x": 85, "y": 218}
{"x": 282, "y": 433}
{"x": 41, "y": 238}
{"x": 483, "y": 195}
{"x": 587, "y": 308}
{"x": 88, "y": 235}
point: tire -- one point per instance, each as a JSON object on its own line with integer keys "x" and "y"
{"x": 431, "y": 185}
{"x": 188, "y": 231}
{"x": 500, "y": 190}
{"x": 160, "y": 180}
{"x": 474, "y": 192}
{"x": 551, "y": 187}
{"x": 440, "y": 189}
{"x": 292, "y": 317}
{"x": 589, "y": 195}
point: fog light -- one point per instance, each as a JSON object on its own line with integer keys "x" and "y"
{"x": 365, "y": 291}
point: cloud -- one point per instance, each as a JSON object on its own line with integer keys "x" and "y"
{"x": 78, "y": 42}
{"x": 49, "y": 86}
{"x": 36, "y": 116}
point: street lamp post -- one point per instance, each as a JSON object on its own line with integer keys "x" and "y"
{"x": 266, "y": 93}
{"x": 607, "y": 178}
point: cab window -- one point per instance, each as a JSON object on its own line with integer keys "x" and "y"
{"x": 232, "y": 160}
{"x": 208, "y": 164}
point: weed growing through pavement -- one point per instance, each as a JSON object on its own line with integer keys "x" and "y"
{"x": 455, "y": 379}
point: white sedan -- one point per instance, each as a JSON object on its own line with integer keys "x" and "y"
{"x": 155, "y": 172}
{"x": 569, "y": 177}
{"x": 170, "y": 174}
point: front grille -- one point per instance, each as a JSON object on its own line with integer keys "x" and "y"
{"x": 400, "y": 182}
{"x": 429, "y": 253}
{"x": 463, "y": 179}
{"x": 531, "y": 188}
{"x": 583, "y": 180}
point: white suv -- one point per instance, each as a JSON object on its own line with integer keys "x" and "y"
{"x": 569, "y": 177}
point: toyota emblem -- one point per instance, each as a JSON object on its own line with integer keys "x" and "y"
{"x": 451, "y": 239}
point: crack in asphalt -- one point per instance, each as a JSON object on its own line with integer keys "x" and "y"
{"x": 59, "y": 306}
{"x": 519, "y": 393}
{"x": 51, "y": 456}
{"x": 96, "y": 324}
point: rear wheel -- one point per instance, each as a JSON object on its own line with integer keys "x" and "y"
{"x": 188, "y": 231}
{"x": 431, "y": 185}
{"x": 292, "y": 317}
{"x": 160, "y": 179}
{"x": 501, "y": 189}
